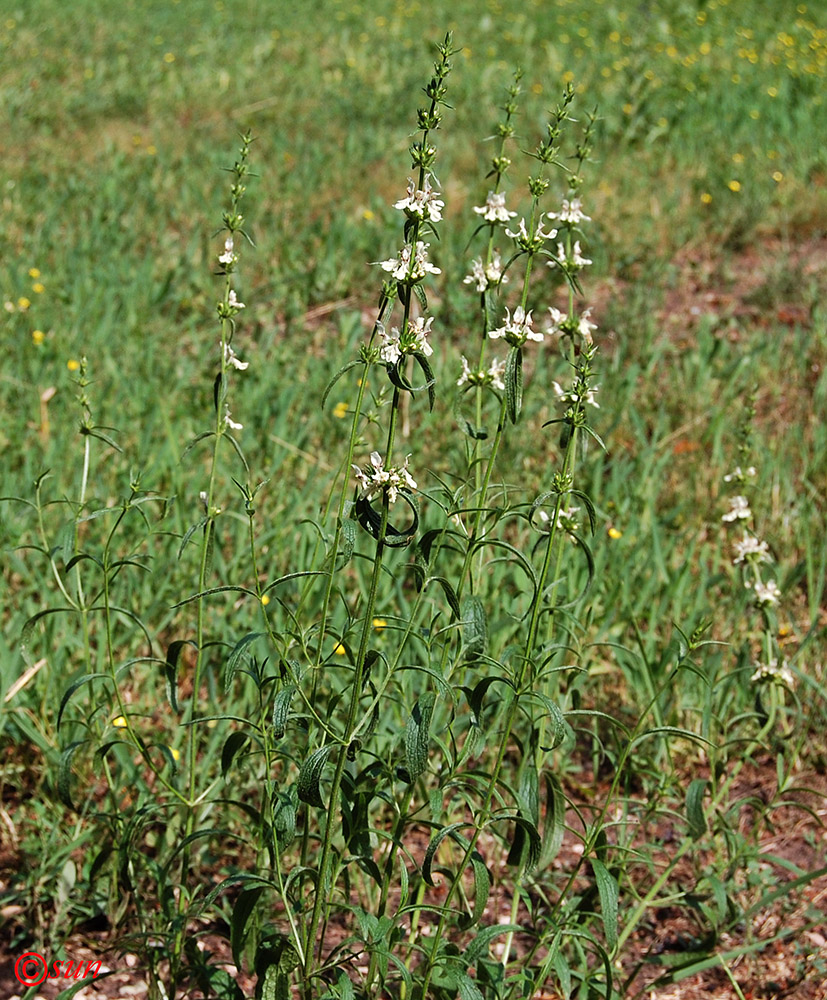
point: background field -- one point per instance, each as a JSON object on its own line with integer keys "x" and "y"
{"x": 708, "y": 192}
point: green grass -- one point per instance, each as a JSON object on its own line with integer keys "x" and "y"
{"x": 709, "y": 151}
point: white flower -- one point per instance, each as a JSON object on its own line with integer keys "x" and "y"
{"x": 739, "y": 477}
{"x": 492, "y": 377}
{"x": 575, "y": 261}
{"x": 486, "y": 277}
{"x": 412, "y": 263}
{"x": 423, "y": 204}
{"x": 575, "y": 394}
{"x": 585, "y": 326}
{"x": 477, "y": 275}
{"x": 750, "y": 549}
{"x": 414, "y": 342}
{"x": 767, "y": 593}
{"x": 566, "y": 521}
{"x": 772, "y": 672}
{"x": 229, "y": 257}
{"x": 229, "y": 422}
{"x": 495, "y": 374}
{"x": 517, "y": 328}
{"x": 232, "y": 301}
{"x": 379, "y": 478}
{"x": 526, "y": 242}
{"x": 494, "y": 209}
{"x": 231, "y": 358}
{"x": 571, "y": 212}
{"x": 557, "y": 320}
{"x": 738, "y": 508}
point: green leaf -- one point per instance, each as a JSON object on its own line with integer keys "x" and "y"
{"x": 348, "y": 542}
{"x": 234, "y": 742}
{"x": 477, "y": 949}
{"x": 513, "y": 378}
{"x": 64, "y": 774}
{"x": 433, "y": 846}
{"x": 171, "y": 670}
{"x": 695, "y": 808}
{"x": 525, "y": 854}
{"x": 310, "y": 775}
{"x": 240, "y": 653}
{"x": 468, "y": 989}
{"x": 474, "y": 628}
{"x": 482, "y": 887}
{"x": 242, "y": 911}
{"x": 281, "y": 710}
{"x": 608, "y": 891}
{"x": 417, "y": 734}
{"x": 64, "y": 701}
{"x": 337, "y": 376}
{"x": 450, "y": 595}
{"x": 430, "y": 379}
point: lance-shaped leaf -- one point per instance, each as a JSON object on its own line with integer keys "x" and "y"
{"x": 281, "y": 709}
{"x": 310, "y": 775}
{"x": 608, "y": 891}
{"x": 695, "y": 808}
{"x": 474, "y": 628}
{"x": 417, "y": 734}
{"x": 513, "y": 378}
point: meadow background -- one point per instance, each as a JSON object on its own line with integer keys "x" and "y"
{"x": 709, "y": 195}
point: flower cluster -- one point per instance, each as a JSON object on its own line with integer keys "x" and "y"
{"x": 421, "y": 204}
{"x": 772, "y": 672}
{"x": 531, "y": 242}
{"x": 229, "y": 258}
{"x": 580, "y": 393}
{"x": 231, "y": 307}
{"x": 494, "y": 209}
{"x": 411, "y": 264}
{"x": 492, "y": 377}
{"x": 566, "y": 521}
{"x": 486, "y": 276}
{"x": 571, "y": 262}
{"x": 378, "y": 479}
{"x": 571, "y": 213}
{"x": 414, "y": 341}
{"x": 517, "y": 329}
{"x": 561, "y": 325}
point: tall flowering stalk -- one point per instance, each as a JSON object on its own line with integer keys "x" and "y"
{"x": 224, "y": 427}
{"x": 383, "y": 481}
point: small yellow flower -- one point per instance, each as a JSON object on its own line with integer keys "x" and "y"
{"x": 772, "y": 91}
{"x": 536, "y": 88}
{"x": 615, "y": 534}
{"x": 734, "y": 186}
{"x": 340, "y": 411}
{"x": 73, "y": 365}
{"x": 119, "y": 722}
{"x": 176, "y": 754}
{"x": 706, "y": 198}
{"x": 151, "y": 150}
{"x": 379, "y": 624}
{"x": 169, "y": 57}
{"x": 38, "y": 336}
{"x": 737, "y": 157}
{"x": 38, "y": 287}
{"x": 23, "y": 303}
{"x": 777, "y": 176}
{"x": 265, "y": 600}
{"x": 34, "y": 272}
{"x": 628, "y": 108}
{"x": 340, "y": 650}
{"x": 367, "y": 215}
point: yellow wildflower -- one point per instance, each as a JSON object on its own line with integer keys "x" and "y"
{"x": 38, "y": 336}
